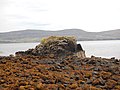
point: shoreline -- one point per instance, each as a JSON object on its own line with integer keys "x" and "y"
{"x": 58, "y": 63}
{"x": 77, "y": 41}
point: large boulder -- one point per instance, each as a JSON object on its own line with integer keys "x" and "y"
{"x": 55, "y": 46}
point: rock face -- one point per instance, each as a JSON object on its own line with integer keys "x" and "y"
{"x": 56, "y": 46}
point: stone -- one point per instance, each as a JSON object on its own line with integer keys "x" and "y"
{"x": 2, "y": 81}
{"x": 56, "y": 46}
{"x": 96, "y": 82}
{"x": 40, "y": 86}
{"x": 81, "y": 54}
{"x": 22, "y": 88}
{"x": 11, "y": 55}
{"x": 81, "y": 82}
{"x": 110, "y": 84}
{"x": 73, "y": 86}
{"x": 113, "y": 58}
{"x": 95, "y": 73}
{"x": 96, "y": 69}
{"x": 79, "y": 47}
{"x": 51, "y": 55}
{"x": 89, "y": 81}
{"x": 88, "y": 75}
{"x": 116, "y": 77}
{"x": 105, "y": 75}
{"x": 102, "y": 81}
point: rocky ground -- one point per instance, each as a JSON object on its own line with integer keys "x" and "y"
{"x": 49, "y": 73}
{"x": 58, "y": 63}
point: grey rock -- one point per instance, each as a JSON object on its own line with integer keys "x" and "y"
{"x": 88, "y": 81}
{"x": 95, "y": 73}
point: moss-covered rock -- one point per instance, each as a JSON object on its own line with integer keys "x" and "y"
{"x": 55, "y": 46}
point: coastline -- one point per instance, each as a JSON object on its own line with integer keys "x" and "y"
{"x": 10, "y": 42}
{"x": 105, "y": 49}
{"x": 58, "y": 63}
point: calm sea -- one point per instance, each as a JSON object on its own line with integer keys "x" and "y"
{"x": 105, "y": 49}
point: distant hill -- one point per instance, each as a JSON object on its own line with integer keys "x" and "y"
{"x": 36, "y": 35}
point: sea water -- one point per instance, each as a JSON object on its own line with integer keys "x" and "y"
{"x": 107, "y": 48}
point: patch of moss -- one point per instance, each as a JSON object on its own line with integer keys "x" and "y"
{"x": 56, "y": 38}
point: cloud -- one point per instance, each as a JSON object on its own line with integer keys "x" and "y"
{"x": 90, "y": 15}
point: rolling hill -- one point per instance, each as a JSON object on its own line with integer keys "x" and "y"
{"x": 36, "y": 35}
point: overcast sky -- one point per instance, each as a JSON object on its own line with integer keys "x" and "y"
{"x": 89, "y": 15}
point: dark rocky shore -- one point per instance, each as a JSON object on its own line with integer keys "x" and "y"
{"x": 68, "y": 69}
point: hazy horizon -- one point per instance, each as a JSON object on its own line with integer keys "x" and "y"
{"x": 88, "y": 15}
{"x": 54, "y": 30}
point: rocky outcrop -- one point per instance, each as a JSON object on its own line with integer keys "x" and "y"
{"x": 56, "y": 46}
